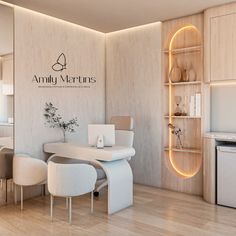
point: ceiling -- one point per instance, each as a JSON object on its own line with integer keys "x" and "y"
{"x": 111, "y": 15}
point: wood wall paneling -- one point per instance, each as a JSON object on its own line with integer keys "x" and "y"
{"x": 209, "y": 170}
{"x": 133, "y": 87}
{"x": 39, "y": 40}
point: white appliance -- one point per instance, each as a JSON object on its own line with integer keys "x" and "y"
{"x": 226, "y": 176}
{"x": 96, "y": 131}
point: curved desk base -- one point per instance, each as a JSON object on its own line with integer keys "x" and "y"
{"x": 120, "y": 183}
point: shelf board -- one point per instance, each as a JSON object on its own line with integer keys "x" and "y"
{"x": 186, "y": 150}
{"x": 184, "y": 83}
{"x": 185, "y": 50}
{"x": 184, "y": 117}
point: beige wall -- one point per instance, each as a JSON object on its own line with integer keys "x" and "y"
{"x": 6, "y": 26}
{"x": 39, "y": 40}
{"x": 133, "y": 87}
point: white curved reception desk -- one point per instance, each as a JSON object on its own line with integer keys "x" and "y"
{"x": 114, "y": 162}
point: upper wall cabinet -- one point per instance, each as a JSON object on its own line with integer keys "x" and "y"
{"x": 220, "y": 46}
{"x": 7, "y": 74}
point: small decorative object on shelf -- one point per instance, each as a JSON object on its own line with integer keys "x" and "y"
{"x": 185, "y": 75}
{"x": 191, "y": 74}
{"x": 178, "y": 111}
{"x": 184, "y": 106}
{"x": 175, "y": 73}
{"x": 55, "y": 120}
{"x": 177, "y": 132}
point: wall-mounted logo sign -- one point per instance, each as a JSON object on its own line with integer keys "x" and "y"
{"x": 60, "y": 65}
{"x": 62, "y": 80}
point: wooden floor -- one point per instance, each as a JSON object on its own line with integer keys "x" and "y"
{"x": 155, "y": 212}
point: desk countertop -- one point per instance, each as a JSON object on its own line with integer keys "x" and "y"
{"x": 89, "y": 153}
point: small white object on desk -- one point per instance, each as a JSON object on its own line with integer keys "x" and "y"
{"x": 100, "y": 141}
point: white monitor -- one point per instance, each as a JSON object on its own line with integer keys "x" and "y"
{"x": 107, "y": 131}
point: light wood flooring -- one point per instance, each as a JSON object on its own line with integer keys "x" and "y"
{"x": 155, "y": 212}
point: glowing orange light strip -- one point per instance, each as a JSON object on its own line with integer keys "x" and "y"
{"x": 186, "y": 175}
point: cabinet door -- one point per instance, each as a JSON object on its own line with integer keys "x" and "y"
{"x": 223, "y": 47}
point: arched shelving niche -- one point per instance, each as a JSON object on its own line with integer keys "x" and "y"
{"x": 184, "y": 52}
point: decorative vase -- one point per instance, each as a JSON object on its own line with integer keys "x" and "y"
{"x": 191, "y": 74}
{"x": 185, "y": 75}
{"x": 175, "y": 73}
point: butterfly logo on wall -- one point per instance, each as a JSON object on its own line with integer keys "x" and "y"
{"x": 60, "y": 64}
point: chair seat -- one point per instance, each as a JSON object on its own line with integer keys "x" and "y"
{"x": 100, "y": 174}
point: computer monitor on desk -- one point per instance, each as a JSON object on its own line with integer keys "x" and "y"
{"x": 106, "y": 131}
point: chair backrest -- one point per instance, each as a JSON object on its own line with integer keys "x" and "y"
{"x": 28, "y": 170}
{"x": 68, "y": 180}
{"x": 124, "y": 125}
{"x": 122, "y": 122}
{"x": 124, "y": 138}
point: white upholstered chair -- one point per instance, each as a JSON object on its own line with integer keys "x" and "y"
{"x": 28, "y": 171}
{"x": 70, "y": 180}
{"x": 124, "y": 136}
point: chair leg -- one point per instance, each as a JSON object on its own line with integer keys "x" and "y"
{"x": 42, "y": 190}
{"x": 67, "y": 200}
{"x": 70, "y": 209}
{"x": 104, "y": 184}
{"x": 6, "y": 192}
{"x": 21, "y": 197}
{"x": 92, "y": 202}
{"x": 51, "y": 206}
{"x": 12, "y": 185}
{"x": 15, "y": 194}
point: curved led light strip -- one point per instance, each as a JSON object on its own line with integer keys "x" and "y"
{"x": 183, "y": 174}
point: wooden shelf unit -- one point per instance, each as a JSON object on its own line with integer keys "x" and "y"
{"x": 192, "y": 49}
{"x": 184, "y": 83}
{"x": 184, "y": 117}
{"x": 184, "y": 163}
{"x": 187, "y": 150}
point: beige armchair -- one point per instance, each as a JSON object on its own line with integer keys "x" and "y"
{"x": 28, "y": 171}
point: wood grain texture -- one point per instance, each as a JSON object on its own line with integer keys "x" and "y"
{"x": 219, "y": 43}
{"x": 192, "y": 128}
{"x": 155, "y": 212}
{"x": 209, "y": 170}
{"x": 133, "y": 87}
{"x": 39, "y": 40}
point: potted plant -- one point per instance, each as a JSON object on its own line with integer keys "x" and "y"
{"x": 55, "y": 120}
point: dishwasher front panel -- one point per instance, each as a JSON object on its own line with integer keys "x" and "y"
{"x": 226, "y": 176}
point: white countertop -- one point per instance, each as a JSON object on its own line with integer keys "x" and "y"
{"x": 6, "y": 124}
{"x": 221, "y": 136}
